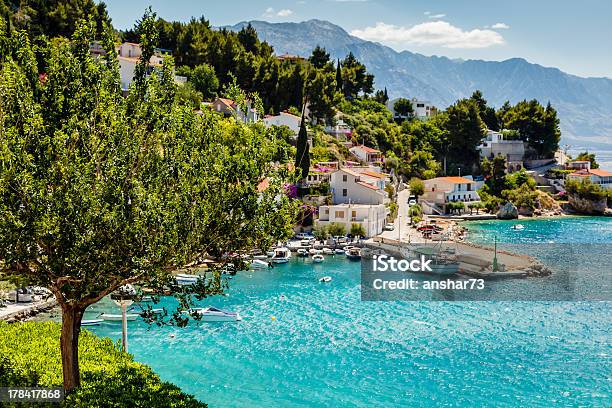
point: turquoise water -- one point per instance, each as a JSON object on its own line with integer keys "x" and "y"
{"x": 325, "y": 347}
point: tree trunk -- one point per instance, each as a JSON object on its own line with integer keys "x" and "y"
{"x": 69, "y": 340}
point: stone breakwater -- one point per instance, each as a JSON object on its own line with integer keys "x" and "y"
{"x": 21, "y": 312}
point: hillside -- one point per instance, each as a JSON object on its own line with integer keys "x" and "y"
{"x": 584, "y": 104}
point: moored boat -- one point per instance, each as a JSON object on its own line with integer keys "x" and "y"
{"x": 328, "y": 251}
{"x": 91, "y": 322}
{"x": 339, "y": 251}
{"x": 259, "y": 264}
{"x": 302, "y": 252}
{"x": 117, "y": 317}
{"x": 212, "y": 314}
{"x": 325, "y": 279}
{"x": 281, "y": 255}
{"x": 353, "y": 253}
{"x": 318, "y": 258}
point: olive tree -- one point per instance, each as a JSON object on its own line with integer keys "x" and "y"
{"x": 98, "y": 191}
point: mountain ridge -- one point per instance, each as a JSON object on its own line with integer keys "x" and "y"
{"x": 584, "y": 104}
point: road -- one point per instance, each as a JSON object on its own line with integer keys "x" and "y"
{"x": 402, "y": 220}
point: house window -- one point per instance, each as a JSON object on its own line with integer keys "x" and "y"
{"x": 344, "y": 192}
{"x": 344, "y": 178}
{"x": 353, "y": 214}
{"x": 420, "y": 105}
{"x": 339, "y": 214}
{"x": 469, "y": 187}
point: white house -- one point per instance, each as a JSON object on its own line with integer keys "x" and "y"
{"x": 293, "y": 122}
{"x": 495, "y": 144}
{"x": 366, "y": 154}
{"x": 440, "y": 191}
{"x": 579, "y": 165}
{"x": 128, "y": 55}
{"x": 341, "y": 130}
{"x": 348, "y": 186}
{"x": 596, "y": 176}
{"x": 228, "y": 107}
{"x": 371, "y": 217}
{"x": 422, "y": 109}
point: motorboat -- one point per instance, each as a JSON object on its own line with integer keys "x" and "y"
{"x": 91, "y": 322}
{"x": 339, "y": 251}
{"x": 314, "y": 251}
{"x": 302, "y": 252}
{"x": 212, "y": 314}
{"x": 260, "y": 256}
{"x": 117, "y": 317}
{"x": 325, "y": 279}
{"x": 259, "y": 264}
{"x": 183, "y": 279}
{"x": 328, "y": 251}
{"x": 229, "y": 269}
{"x": 353, "y": 253}
{"x": 318, "y": 258}
{"x": 270, "y": 254}
{"x": 518, "y": 227}
{"x": 281, "y": 255}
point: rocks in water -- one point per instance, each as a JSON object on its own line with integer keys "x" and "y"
{"x": 585, "y": 206}
{"x": 508, "y": 212}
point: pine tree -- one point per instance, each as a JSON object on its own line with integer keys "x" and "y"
{"x": 302, "y": 156}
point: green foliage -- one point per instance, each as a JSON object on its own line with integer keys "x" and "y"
{"x": 537, "y": 125}
{"x": 355, "y": 78}
{"x": 494, "y": 172}
{"x": 487, "y": 113}
{"x": 204, "y": 80}
{"x": 111, "y": 378}
{"x": 455, "y": 207}
{"x": 476, "y": 206}
{"x": 336, "y": 229}
{"x": 523, "y": 196}
{"x": 319, "y": 57}
{"x": 187, "y": 95}
{"x": 465, "y": 132}
{"x": 417, "y": 187}
{"x": 403, "y": 108}
{"x": 393, "y": 210}
{"x": 586, "y": 156}
{"x": 586, "y": 190}
{"x": 320, "y": 232}
{"x": 357, "y": 230}
{"x": 54, "y": 18}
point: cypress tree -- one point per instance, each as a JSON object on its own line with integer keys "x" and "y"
{"x": 338, "y": 76}
{"x": 302, "y": 156}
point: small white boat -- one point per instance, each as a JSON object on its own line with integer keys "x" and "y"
{"x": 212, "y": 314}
{"x": 146, "y": 299}
{"x": 313, "y": 251}
{"x": 328, "y": 251}
{"x": 260, "y": 256}
{"x": 92, "y": 322}
{"x": 183, "y": 279}
{"x": 325, "y": 279}
{"x": 518, "y": 227}
{"x": 270, "y": 254}
{"x": 302, "y": 252}
{"x": 339, "y": 251}
{"x": 259, "y": 264}
{"x": 318, "y": 258}
{"x": 117, "y": 317}
{"x": 353, "y": 253}
{"x": 281, "y": 255}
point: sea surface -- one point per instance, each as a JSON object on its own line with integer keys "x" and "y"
{"x": 319, "y": 345}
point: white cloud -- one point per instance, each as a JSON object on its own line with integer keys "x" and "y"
{"x": 270, "y": 12}
{"x": 436, "y": 16}
{"x": 427, "y": 13}
{"x": 436, "y": 33}
{"x": 500, "y": 26}
{"x": 284, "y": 13}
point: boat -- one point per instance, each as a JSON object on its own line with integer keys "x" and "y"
{"x": 281, "y": 255}
{"x": 259, "y": 264}
{"x": 270, "y": 254}
{"x": 353, "y": 253}
{"x": 117, "y": 317}
{"x": 302, "y": 252}
{"x": 260, "y": 256}
{"x": 212, "y": 314}
{"x": 318, "y": 258}
{"x": 328, "y": 251}
{"x": 325, "y": 279}
{"x": 146, "y": 299}
{"x": 518, "y": 227}
{"x": 339, "y": 251}
{"x": 314, "y": 251}
{"x": 183, "y": 279}
{"x": 92, "y": 322}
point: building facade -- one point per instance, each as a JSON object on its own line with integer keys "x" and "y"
{"x": 441, "y": 191}
{"x": 371, "y": 217}
{"x": 293, "y": 122}
{"x": 496, "y": 144}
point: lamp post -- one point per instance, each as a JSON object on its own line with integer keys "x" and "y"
{"x": 124, "y": 297}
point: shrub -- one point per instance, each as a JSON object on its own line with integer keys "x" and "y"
{"x": 357, "y": 230}
{"x": 336, "y": 229}
{"x": 320, "y": 232}
{"x": 585, "y": 190}
{"x": 30, "y": 356}
{"x": 417, "y": 187}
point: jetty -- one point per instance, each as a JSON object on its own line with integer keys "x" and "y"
{"x": 474, "y": 260}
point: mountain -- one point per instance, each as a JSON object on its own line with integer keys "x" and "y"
{"x": 584, "y": 104}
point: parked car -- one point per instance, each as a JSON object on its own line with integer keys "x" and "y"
{"x": 412, "y": 200}
{"x": 389, "y": 227}
{"x": 304, "y": 235}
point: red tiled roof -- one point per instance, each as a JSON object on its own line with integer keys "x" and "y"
{"x": 601, "y": 173}
{"x": 454, "y": 179}
{"x": 374, "y": 174}
{"x": 368, "y": 185}
{"x": 367, "y": 149}
{"x": 228, "y": 102}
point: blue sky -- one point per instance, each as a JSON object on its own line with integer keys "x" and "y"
{"x": 573, "y": 36}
